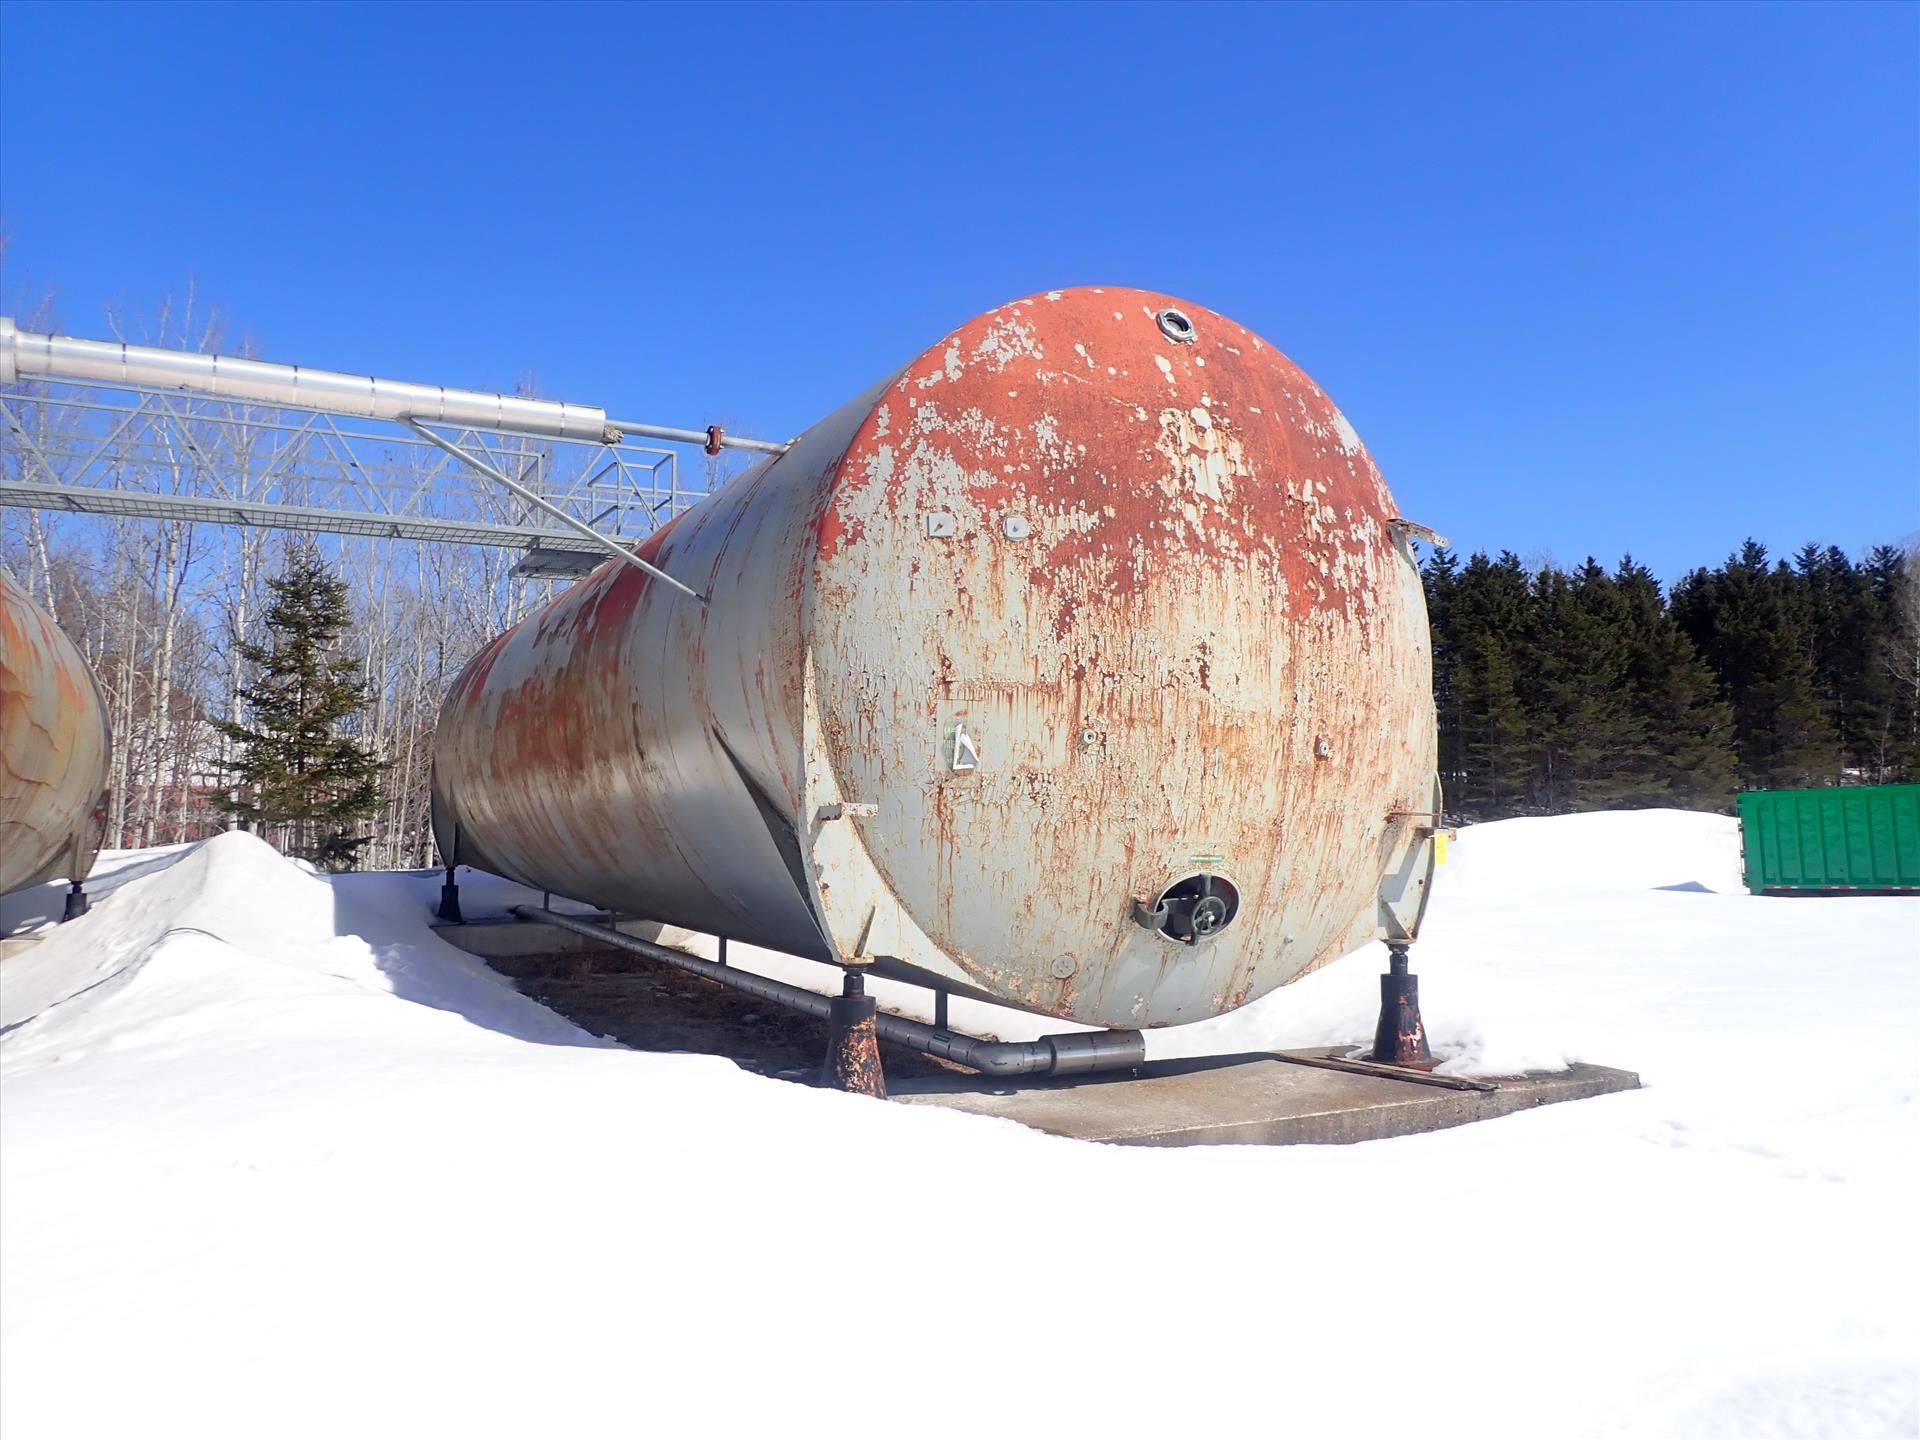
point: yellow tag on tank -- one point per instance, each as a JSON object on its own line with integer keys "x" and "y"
{"x": 1439, "y": 847}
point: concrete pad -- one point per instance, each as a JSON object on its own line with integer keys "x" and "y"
{"x": 1258, "y": 1099}
{"x": 1250, "y": 1100}
{"x": 507, "y": 937}
{"x": 19, "y": 944}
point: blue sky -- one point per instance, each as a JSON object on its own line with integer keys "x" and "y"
{"x": 1586, "y": 278}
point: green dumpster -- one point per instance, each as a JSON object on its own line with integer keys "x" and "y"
{"x": 1853, "y": 838}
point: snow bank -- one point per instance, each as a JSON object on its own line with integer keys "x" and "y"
{"x": 275, "y": 1161}
{"x": 215, "y": 916}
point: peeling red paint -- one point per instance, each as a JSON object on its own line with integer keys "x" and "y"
{"x": 1141, "y": 576}
{"x": 1098, "y": 377}
{"x": 1206, "y": 574}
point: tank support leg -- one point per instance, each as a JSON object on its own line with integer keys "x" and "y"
{"x": 1400, "y": 1038}
{"x": 853, "y": 1040}
{"x": 77, "y": 903}
{"x": 450, "y": 899}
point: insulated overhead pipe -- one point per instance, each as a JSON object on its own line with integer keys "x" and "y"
{"x": 1076, "y": 1053}
{"x": 25, "y": 355}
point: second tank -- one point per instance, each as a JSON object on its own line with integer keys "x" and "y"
{"x": 54, "y": 750}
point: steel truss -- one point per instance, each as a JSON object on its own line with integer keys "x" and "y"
{"x": 125, "y": 449}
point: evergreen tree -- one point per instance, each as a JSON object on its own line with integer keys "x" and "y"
{"x": 1558, "y": 691}
{"x": 1836, "y": 611}
{"x": 1691, "y": 606}
{"x": 1488, "y": 618}
{"x": 1494, "y": 737}
{"x": 1585, "y": 737}
{"x": 1439, "y": 577}
{"x": 1891, "y": 694}
{"x": 1750, "y": 618}
{"x": 297, "y": 767}
{"x": 1689, "y": 758}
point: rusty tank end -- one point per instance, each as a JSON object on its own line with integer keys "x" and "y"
{"x": 1079, "y": 663}
{"x": 54, "y": 749}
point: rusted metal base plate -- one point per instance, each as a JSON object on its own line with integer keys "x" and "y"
{"x": 1249, "y": 1100}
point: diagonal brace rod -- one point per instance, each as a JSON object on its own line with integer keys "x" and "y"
{"x": 612, "y": 547}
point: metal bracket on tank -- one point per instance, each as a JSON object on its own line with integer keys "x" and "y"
{"x": 1413, "y": 530}
{"x": 1406, "y": 888}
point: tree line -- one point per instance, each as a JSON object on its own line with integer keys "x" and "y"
{"x": 1593, "y": 689}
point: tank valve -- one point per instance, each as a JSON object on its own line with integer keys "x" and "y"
{"x": 1191, "y": 909}
{"x": 1149, "y": 917}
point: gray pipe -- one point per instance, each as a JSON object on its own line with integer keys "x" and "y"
{"x": 25, "y": 355}
{"x": 697, "y": 437}
{"x": 1077, "y": 1053}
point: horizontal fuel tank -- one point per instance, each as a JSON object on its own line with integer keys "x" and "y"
{"x": 1083, "y": 662}
{"x": 54, "y": 749}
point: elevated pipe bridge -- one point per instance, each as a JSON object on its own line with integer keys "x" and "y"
{"x": 105, "y": 428}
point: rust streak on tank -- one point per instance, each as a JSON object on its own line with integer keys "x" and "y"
{"x": 54, "y": 749}
{"x": 1071, "y": 606}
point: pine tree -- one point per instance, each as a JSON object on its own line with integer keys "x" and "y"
{"x": 1835, "y": 608}
{"x": 1439, "y": 577}
{"x": 1488, "y": 615}
{"x": 1689, "y": 758}
{"x": 1560, "y": 691}
{"x": 296, "y": 766}
{"x": 1755, "y": 637}
{"x": 1585, "y": 738}
{"x": 1891, "y": 699}
{"x": 1495, "y": 736}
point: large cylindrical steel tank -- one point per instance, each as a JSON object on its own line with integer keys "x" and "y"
{"x": 1080, "y": 663}
{"x": 54, "y": 749}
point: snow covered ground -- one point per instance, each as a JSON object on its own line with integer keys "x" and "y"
{"x": 276, "y": 1162}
